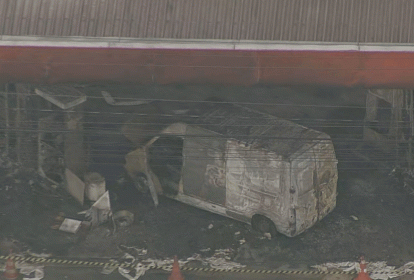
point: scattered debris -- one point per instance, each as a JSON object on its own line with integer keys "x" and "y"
{"x": 242, "y": 241}
{"x": 354, "y": 218}
{"x": 237, "y": 233}
{"x": 267, "y": 235}
{"x": 378, "y": 270}
{"x": 135, "y": 250}
{"x": 75, "y": 186}
{"x": 100, "y": 211}
{"x": 64, "y": 97}
{"x": 70, "y": 225}
{"x": 108, "y": 269}
{"x": 124, "y": 218}
{"x": 139, "y": 271}
{"x": 210, "y": 226}
{"x": 219, "y": 260}
{"x": 33, "y": 271}
{"x": 128, "y": 258}
{"x": 41, "y": 255}
{"x": 95, "y": 186}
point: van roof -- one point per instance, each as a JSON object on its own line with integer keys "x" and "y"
{"x": 257, "y": 129}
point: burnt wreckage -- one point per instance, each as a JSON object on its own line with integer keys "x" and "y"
{"x": 253, "y": 167}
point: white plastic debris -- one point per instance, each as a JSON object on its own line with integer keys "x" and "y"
{"x": 139, "y": 271}
{"x": 129, "y": 258}
{"x": 100, "y": 211}
{"x": 220, "y": 260}
{"x": 210, "y": 226}
{"x": 41, "y": 255}
{"x": 108, "y": 269}
{"x": 355, "y": 218}
{"x": 70, "y": 225}
{"x": 237, "y": 233}
{"x": 28, "y": 269}
{"x": 139, "y": 251}
{"x": 377, "y": 270}
{"x": 242, "y": 241}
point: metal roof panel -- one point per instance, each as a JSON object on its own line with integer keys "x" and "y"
{"x": 365, "y": 21}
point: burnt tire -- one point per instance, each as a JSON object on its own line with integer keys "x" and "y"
{"x": 264, "y": 225}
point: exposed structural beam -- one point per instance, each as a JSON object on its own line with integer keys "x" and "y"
{"x": 197, "y": 44}
{"x": 45, "y": 60}
{"x": 111, "y": 101}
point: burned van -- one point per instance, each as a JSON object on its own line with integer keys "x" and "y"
{"x": 274, "y": 174}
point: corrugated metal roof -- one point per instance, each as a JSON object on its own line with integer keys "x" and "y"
{"x": 387, "y": 21}
{"x": 258, "y": 129}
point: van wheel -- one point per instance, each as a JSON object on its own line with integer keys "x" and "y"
{"x": 264, "y": 225}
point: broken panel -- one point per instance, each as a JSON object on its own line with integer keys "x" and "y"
{"x": 256, "y": 182}
{"x": 64, "y": 97}
{"x": 204, "y": 166}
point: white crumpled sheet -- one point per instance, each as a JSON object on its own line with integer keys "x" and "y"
{"x": 27, "y": 269}
{"x": 376, "y": 270}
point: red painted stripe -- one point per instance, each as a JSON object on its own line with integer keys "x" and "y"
{"x": 227, "y": 67}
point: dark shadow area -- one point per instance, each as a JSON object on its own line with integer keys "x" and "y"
{"x": 166, "y": 160}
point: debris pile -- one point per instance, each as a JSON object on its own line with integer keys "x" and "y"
{"x": 378, "y": 270}
{"x": 220, "y": 260}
